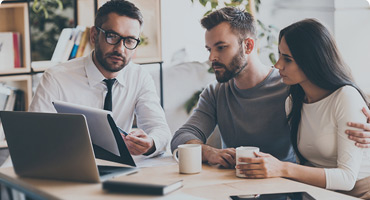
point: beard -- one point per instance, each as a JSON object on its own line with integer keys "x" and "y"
{"x": 237, "y": 64}
{"x": 102, "y": 59}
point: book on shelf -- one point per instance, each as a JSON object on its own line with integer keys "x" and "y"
{"x": 135, "y": 187}
{"x": 84, "y": 41}
{"x": 75, "y": 45}
{"x": 5, "y": 95}
{"x": 61, "y": 44}
{"x": 10, "y": 99}
{"x": 10, "y": 50}
{"x": 72, "y": 43}
{"x": 69, "y": 45}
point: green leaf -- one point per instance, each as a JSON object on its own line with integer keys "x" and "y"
{"x": 190, "y": 104}
{"x": 272, "y": 27}
{"x": 205, "y": 14}
{"x": 261, "y": 35}
{"x": 60, "y": 5}
{"x": 262, "y": 25}
{"x": 37, "y": 6}
{"x": 257, "y": 5}
{"x": 211, "y": 70}
{"x": 46, "y": 13}
{"x": 203, "y": 2}
{"x": 214, "y": 4}
{"x": 272, "y": 58}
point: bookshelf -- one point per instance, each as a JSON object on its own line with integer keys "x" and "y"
{"x": 14, "y": 17}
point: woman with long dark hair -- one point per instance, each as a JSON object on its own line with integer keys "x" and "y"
{"x": 323, "y": 98}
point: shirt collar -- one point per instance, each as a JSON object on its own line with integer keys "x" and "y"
{"x": 95, "y": 77}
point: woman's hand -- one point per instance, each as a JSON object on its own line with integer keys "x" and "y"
{"x": 264, "y": 166}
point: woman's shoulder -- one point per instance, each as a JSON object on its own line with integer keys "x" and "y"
{"x": 348, "y": 91}
{"x": 349, "y": 96}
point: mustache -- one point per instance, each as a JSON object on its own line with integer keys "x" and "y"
{"x": 218, "y": 64}
{"x": 116, "y": 54}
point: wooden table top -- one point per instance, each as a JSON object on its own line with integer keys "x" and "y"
{"x": 211, "y": 183}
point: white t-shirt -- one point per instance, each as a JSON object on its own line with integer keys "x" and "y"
{"x": 79, "y": 81}
{"x": 323, "y": 142}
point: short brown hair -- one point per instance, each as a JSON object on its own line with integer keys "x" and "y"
{"x": 241, "y": 22}
{"x": 121, "y": 7}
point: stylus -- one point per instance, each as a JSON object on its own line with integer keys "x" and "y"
{"x": 122, "y": 131}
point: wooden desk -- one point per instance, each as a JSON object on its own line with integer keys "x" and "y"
{"x": 211, "y": 183}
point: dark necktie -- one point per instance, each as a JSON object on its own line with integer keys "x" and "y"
{"x": 108, "y": 97}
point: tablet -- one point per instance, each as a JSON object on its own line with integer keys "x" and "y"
{"x": 107, "y": 141}
{"x": 275, "y": 196}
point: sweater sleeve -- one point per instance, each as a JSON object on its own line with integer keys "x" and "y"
{"x": 348, "y": 107}
{"x": 202, "y": 121}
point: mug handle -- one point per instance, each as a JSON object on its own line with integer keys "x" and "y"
{"x": 174, "y": 155}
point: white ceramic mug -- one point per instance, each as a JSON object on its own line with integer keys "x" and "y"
{"x": 244, "y": 152}
{"x": 189, "y": 157}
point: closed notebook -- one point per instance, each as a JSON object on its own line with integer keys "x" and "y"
{"x": 141, "y": 187}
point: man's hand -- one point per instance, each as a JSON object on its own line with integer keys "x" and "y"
{"x": 224, "y": 157}
{"x": 264, "y": 166}
{"x": 138, "y": 142}
{"x": 361, "y": 137}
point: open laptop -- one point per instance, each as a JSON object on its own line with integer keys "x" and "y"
{"x": 106, "y": 137}
{"x": 54, "y": 146}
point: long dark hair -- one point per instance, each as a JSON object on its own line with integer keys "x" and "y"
{"x": 316, "y": 54}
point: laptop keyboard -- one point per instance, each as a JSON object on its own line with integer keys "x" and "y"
{"x": 102, "y": 173}
{"x": 103, "y": 170}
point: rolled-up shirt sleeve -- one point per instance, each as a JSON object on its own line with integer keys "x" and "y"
{"x": 150, "y": 116}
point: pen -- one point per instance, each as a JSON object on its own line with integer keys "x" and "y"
{"x": 122, "y": 131}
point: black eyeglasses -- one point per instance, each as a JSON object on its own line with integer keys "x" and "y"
{"x": 113, "y": 39}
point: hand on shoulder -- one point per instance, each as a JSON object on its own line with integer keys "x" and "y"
{"x": 361, "y": 133}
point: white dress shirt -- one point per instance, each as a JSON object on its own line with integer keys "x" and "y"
{"x": 323, "y": 142}
{"x": 79, "y": 81}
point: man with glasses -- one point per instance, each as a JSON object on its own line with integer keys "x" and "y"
{"x": 107, "y": 79}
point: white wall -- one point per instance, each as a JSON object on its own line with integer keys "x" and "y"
{"x": 349, "y": 21}
{"x": 352, "y": 33}
{"x": 181, "y": 29}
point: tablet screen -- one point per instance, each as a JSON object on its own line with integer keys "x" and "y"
{"x": 107, "y": 141}
{"x": 275, "y": 196}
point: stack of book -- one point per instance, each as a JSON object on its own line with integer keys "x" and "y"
{"x": 10, "y": 50}
{"x": 11, "y": 99}
{"x": 72, "y": 43}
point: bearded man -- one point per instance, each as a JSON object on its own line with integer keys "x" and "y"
{"x": 107, "y": 79}
{"x": 246, "y": 102}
